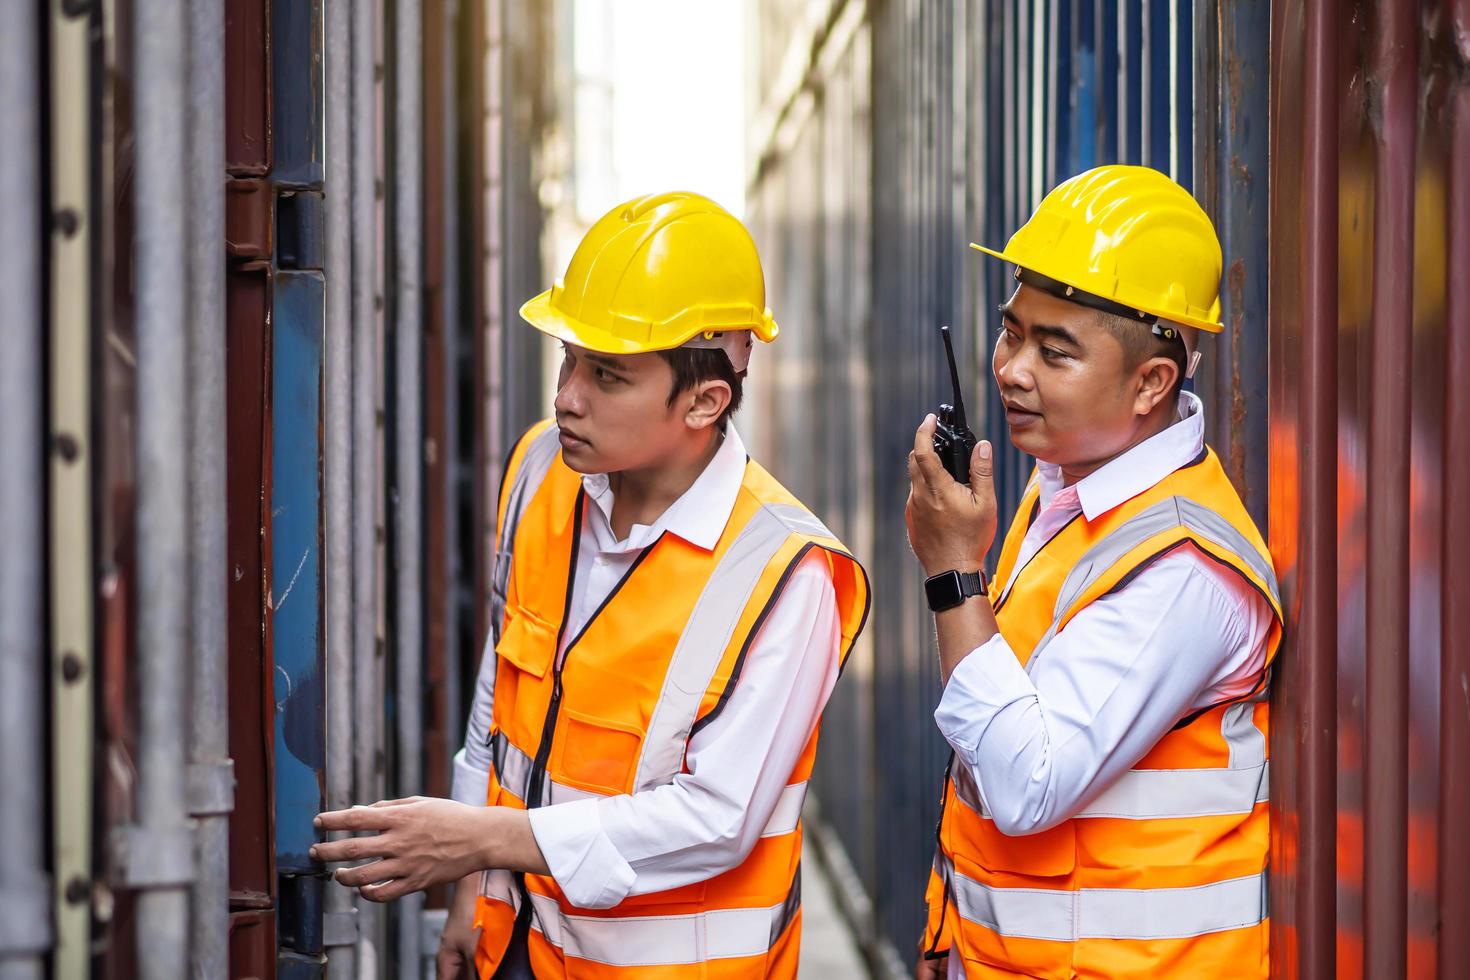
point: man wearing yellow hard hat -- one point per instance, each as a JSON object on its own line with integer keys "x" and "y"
{"x": 1105, "y": 810}
{"x": 669, "y": 622}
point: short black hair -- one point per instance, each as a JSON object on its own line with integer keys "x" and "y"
{"x": 695, "y": 364}
{"x": 1140, "y": 343}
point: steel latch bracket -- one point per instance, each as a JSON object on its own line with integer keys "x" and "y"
{"x": 339, "y": 928}
{"x": 211, "y": 787}
{"x": 154, "y": 857}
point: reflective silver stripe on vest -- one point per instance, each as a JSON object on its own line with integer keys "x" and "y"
{"x": 705, "y": 636}
{"x": 1166, "y": 514}
{"x": 513, "y": 769}
{"x": 1162, "y": 516}
{"x": 787, "y": 814}
{"x": 1111, "y": 913}
{"x": 535, "y": 463}
{"x": 1170, "y": 794}
{"x": 801, "y": 520}
{"x": 666, "y": 940}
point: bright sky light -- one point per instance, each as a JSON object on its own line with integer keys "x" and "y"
{"x": 660, "y": 102}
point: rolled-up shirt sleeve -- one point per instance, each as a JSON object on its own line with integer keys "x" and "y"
{"x": 1042, "y": 743}
{"x": 704, "y": 822}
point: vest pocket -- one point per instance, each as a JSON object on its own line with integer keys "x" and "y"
{"x": 527, "y": 642}
{"x": 595, "y": 754}
{"x": 1049, "y": 854}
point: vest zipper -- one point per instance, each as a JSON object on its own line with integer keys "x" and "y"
{"x": 548, "y": 727}
{"x": 538, "y": 768}
{"x": 537, "y": 779}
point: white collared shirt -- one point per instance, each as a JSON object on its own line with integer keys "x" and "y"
{"x": 1186, "y": 633}
{"x": 601, "y": 851}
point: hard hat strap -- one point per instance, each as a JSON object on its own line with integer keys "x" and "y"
{"x": 1081, "y": 297}
{"x": 735, "y": 343}
{"x": 1161, "y": 328}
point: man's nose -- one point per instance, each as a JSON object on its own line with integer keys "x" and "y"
{"x": 1013, "y": 372}
{"x": 568, "y": 397}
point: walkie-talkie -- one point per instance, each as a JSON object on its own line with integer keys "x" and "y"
{"x": 953, "y": 440}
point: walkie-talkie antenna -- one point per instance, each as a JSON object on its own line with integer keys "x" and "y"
{"x": 954, "y": 378}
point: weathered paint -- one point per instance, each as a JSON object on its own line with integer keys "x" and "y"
{"x": 70, "y": 328}
{"x": 247, "y": 87}
{"x": 250, "y": 633}
{"x": 1232, "y": 181}
{"x": 250, "y": 218}
{"x": 296, "y": 597}
{"x": 297, "y": 136}
{"x": 1367, "y": 436}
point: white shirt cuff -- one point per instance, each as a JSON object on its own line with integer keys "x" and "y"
{"x": 581, "y": 856}
{"x": 470, "y": 785}
{"x": 983, "y": 684}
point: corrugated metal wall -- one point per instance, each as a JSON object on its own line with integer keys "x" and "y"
{"x": 367, "y": 394}
{"x": 1370, "y": 426}
{"x": 886, "y": 136}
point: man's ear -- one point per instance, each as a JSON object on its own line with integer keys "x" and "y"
{"x": 1156, "y": 378}
{"x": 711, "y": 398}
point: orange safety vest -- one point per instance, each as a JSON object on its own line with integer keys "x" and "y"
{"x": 655, "y": 664}
{"x": 1164, "y": 873}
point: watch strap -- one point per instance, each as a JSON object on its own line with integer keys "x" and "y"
{"x": 949, "y": 589}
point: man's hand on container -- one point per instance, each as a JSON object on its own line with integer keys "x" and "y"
{"x": 421, "y": 841}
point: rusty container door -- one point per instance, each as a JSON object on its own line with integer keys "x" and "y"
{"x": 295, "y": 515}
{"x": 1370, "y": 128}
{"x": 249, "y": 242}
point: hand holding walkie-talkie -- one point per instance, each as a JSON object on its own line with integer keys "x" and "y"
{"x": 953, "y": 440}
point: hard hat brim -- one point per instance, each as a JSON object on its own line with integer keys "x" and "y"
{"x": 539, "y": 312}
{"x": 1174, "y": 316}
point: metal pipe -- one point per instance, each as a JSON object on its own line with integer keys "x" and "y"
{"x": 73, "y": 165}
{"x": 366, "y": 449}
{"x": 1454, "y": 733}
{"x": 25, "y": 934}
{"x": 1315, "y": 835}
{"x": 340, "y": 934}
{"x": 408, "y": 429}
{"x": 489, "y": 294}
{"x": 163, "y": 564}
{"x": 211, "y": 773}
{"x": 1231, "y": 149}
{"x": 455, "y": 21}
{"x": 1393, "y": 74}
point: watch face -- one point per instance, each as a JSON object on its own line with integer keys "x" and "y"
{"x": 943, "y": 591}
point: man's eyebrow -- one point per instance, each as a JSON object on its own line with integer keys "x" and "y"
{"x": 1047, "y": 330}
{"x": 603, "y": 360}
{"x": 1057, "y": 333}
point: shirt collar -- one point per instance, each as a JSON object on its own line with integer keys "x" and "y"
{"x": 700, "y": 514}
{"x": 1139, "y": 468}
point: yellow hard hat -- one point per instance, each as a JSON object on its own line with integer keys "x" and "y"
{"x": 1127, "y": 240}
{"x": 658, "y": 272}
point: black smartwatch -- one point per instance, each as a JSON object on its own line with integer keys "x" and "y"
{"x": 948, "y": 589}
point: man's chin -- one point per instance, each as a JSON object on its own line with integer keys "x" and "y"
{"x": 581, "y": 460}
{"x": 1028, "y": 441}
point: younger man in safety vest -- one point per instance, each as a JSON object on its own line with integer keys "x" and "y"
{"x": 669, "y": 622}
{"x": 1105, "y": 811}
